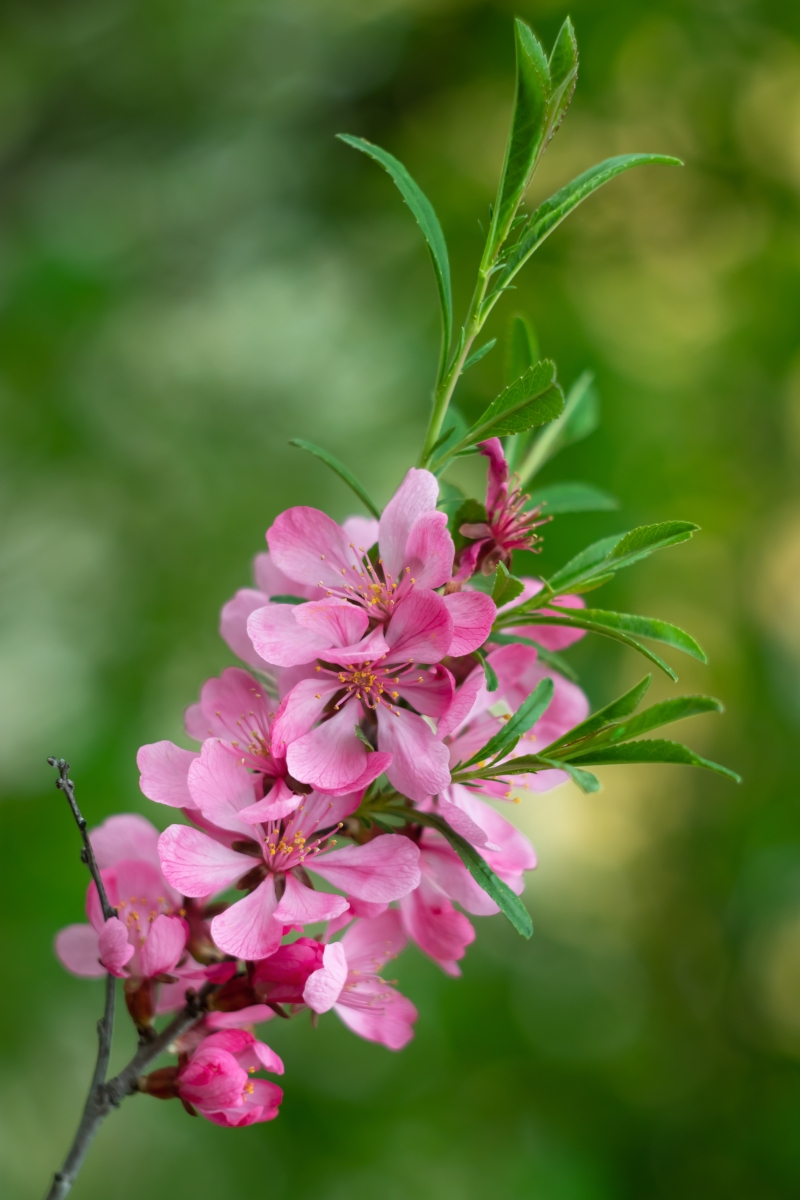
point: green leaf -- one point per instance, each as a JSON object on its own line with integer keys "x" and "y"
{"x": 585, "y": 780}
{"x": 341, "y": 470}
{"x": 647, "y": 627}
{"x": 582, "y": 622}
{"x": 427, "y": 220}
{"x": 286, "y": 599}
{"x": 451, "y": 497}
{"x": 492, "y": 683}
{"x": 527, "y": 134}
{"x": 580, "y": 417}
{"x": 552, "y": 212}
{"x": 362, "y": 737}
{"x": 610, "y": 714}
{"x": 478, "y": 355}
{"x": 653, "y": 751}
{"x": 469, "y": 512}
{"x": 522, "y": 347}
{"x": 556, "y": 661}
{"x": 506, "y": 586}
{"x": 571, "y": 498}
{"x": 509, "y": 903}
{"x": 457, "y": 427}
{"x": 523, "y": 719}
{"x": 676, "y": 709}
{"x": 611, "y": 554}
{"x": 563, "y": 72}
{"x": 533, "y": 399}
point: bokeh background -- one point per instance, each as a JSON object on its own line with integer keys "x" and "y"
{"x": 193, "y": 271}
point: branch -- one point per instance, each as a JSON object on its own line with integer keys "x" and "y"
{"x": 65, "y": 784}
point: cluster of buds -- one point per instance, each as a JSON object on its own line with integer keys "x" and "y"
{"x": 327, "y": 771}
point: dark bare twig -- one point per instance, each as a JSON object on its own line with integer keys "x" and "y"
{"x": 65, "y": 784}
{"x": 105, "y": 1096}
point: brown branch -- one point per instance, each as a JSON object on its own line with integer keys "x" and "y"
{"x": 65, "y": 784}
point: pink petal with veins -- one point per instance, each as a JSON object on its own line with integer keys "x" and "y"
{"x": 301, "y": 906}
{"x": 233, "y": 625}
{"x": 381, "y": 870}
{"x": 473, "y": 615}
{"x": 330, "y": 757}
{"x": 421, "y": 628}
{"x": 323, "y": 987}
{"x": 428, "y": 558}
{"x": 416, "y": 495}
{"x": 115, "y": 949}
{"x": 279, "y": 639}
{"x": 164, "y": 945}
{"x": 78, "y": 949}
{"x": 308, "y": 546}
{"x": 221, "y": 785}
{"x": 196, "y": 864}
{"x": 420, "y": 762}
{"x": 248, "y": 928}
{"x": 164, "y": 771}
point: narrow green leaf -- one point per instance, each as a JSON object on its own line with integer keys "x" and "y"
{"x": 653, "y": 751}
{"x": 341, "y": 470}
{"x": 283, "y": 598}
{"x": 611, "y": 714}
{"x": 522, "y": 347}
{"x": 425, "y": 217}
{"x": 533, "y": 399}
{"x": 646, "y": 627}
{"x": 457, "y": 428}
{"x": 585, "y": 780}
{"x": 563, "y": 72}
{"x": 610, "y": 555}
{"x": 478, "y": 355}
{"x": 492, "y": 683}
{"x": 509, "y": 903}
{"x": 528, "y": 126}
{"x": 572, "y": 497}
{"x": 580, "y": 417}
{"x": 506, "y": 586}
{"x": 552, "y": 212}
{"x": 556, "y": 661}
{"x": 523, "y": 719}
{"x": 582, "y": 622}
{"x": 679, "y": 708}
{"x": 362, "y": 737}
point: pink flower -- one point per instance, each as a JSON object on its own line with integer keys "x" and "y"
{"x": 348, "y": 981}
{"x": 552, "y": 637}
{"x": 428, "y": 915}
{"x": 216, "y": 1080}
{"x": 282, "y": 977}
{"x": 317, "y": 719}
{"x": 270, "y": 857}
{"x": 416, "y": 555}
{"x": 146, "y": 940}
{"x": 466, "y": 730}
{"x": 508, "y": 526}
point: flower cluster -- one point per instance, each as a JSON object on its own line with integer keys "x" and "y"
{"x": 369, "y": 656}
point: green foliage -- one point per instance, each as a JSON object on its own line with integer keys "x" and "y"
{"x": 556, "y": 661}
{"x": 508, "y": 903}
{"x": 284, "y": 598}
{"x": 526, "y": 716}
{"x": 428, "y": 222}
{"x": 469, "y": 512}
{"x": 492, "y": 682}
{"x": 605, "y": 629}
{"x": 552, "y": 212}
{"x": 506, "y": 586}
{"x": 559, "y": 498}
{"x": 603, "y": 558}
{"x": 341, "y": 470}
{"x": 522, "y": 347}
{"x": 477, "y": 356}
{"x": 580, "y": 417}
{"x": 655, "y": 751}
{"x": 647, "y": 627}
{"x": 533, "y": 399}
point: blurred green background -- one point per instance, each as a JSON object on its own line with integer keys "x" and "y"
{"x": 192, "y": 271}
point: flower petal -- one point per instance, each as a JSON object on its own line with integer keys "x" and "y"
{"x": 497, "y": 474}
{"x": 279, "y": 638}
{"x": 420, "y": 762}
{"x": 377, "y": 1012}
{"x": 308, "y": 546}
{"x": 429, "y": 551}
{"x": 220, "y": 785}
{"x": 430, "y": 690}
{"x": 278, "y": 803}
{"x": 416, "y": 495}
{"x": 301, "y": 709}
{"x": 361, "y": 531}
{"x": 370, "y": 944}
{"x": 336, "y": 622}
{"x": 323, "y": 987}
{"x": 330, "y": 757}
{"x": 272, "y": 581}
{"x": 233, "y": 625}
{"x": 126, "y": 835}
{"x": 439, "y": 930}
{"x": 164, "y": 771}
{"x": 196, "y": 864}
{"x": 421, "y": 628}
{"x": 383, "y": 869}
{"x": 115, "y": 949}
{"x": 248, "y": 928}
{"x": 163, "y": 946}
{"x": 467, "y": 698}
{"x": 473, "y": 615}
{"x": 301, "y": 906}
{"x": 77, "y": 948}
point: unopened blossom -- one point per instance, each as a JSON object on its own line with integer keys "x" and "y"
{"x": 509, "y": 525}
{"x": 271, "y": 581}
{"x": 216, "y": 1080}
{"x": 148, "y": 937}
{"x": 269, "y": 858}
{"x": 348, "y": 981}
{"x": 317, "y": 719}
{"x": 428, "y": 914}
{"x": 415, "y": 555}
